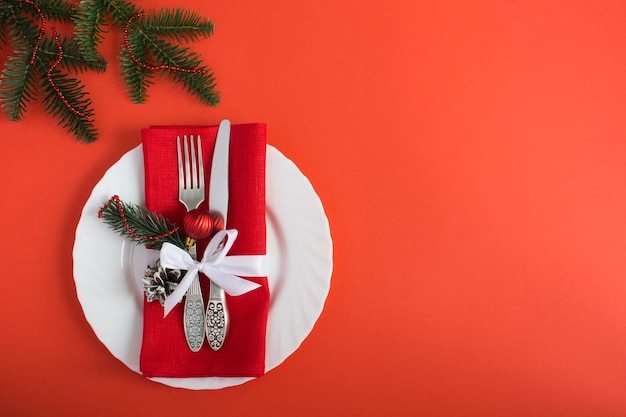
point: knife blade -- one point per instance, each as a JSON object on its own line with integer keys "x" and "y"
{"x": 217, "y": 318}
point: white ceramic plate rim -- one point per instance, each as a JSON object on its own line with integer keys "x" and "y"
{"x": 108, "y": 269}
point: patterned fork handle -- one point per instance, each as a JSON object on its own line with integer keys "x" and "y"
{"x": 217, "y": 319}
{"x": 194, "y": 316}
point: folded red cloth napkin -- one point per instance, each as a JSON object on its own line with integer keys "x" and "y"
{"x": 164, "y": 352}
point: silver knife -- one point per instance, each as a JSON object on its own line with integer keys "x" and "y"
{"x": 217, "y": 319}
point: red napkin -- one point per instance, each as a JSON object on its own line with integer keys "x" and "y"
{"x": 164, "y": 351}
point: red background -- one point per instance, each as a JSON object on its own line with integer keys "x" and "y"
{"x": 470, "y": 157}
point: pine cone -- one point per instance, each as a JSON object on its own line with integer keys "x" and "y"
{"x": 159, "y": 283}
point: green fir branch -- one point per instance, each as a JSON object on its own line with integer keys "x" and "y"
{"x": 201, "y": 85}
{"x": 76, "y": 98}
{"x": 13, "y": 7}
{"x": 22, "y": 32}
{"x": 178, "y": 24}
{"x": 22, "y": 81}
{"x": 143, "y": 222}
{"x": 4, "y": 21}
{"x": 153, "y": 38}
{"x": 60, "y": 10}
{"x": 136, "y": 78}
{"x": 121, "y": 11}
{"x": 73, "y": 59}
{"x": 18, "y": 85}
{"x": 145, "y": 43}
{"x": 90, "y": 25}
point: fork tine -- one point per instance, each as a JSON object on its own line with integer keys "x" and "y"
{"x": 194, "y": 168}
{"x": 187, "y": 184}
{"x": 200, "y": 164}
{"x": 181, "y": 178}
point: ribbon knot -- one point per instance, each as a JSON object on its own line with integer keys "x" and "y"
{"x": 215, "y": 264}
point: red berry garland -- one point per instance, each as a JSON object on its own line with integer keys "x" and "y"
{"x": 152, "y": 67}
{"x": 42, "y": 29}
{"x": 54, "y": 86}
{"x": 120, "y": 209}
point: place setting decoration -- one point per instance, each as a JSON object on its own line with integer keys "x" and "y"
{"x": 202, "y": 295}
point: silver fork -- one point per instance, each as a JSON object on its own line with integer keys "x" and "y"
{"x": 191, "y": 194}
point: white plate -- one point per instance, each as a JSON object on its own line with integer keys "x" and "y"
{"x": 108, "y": 269}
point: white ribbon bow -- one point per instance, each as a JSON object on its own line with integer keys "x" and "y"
{"x": 220, "y": 269}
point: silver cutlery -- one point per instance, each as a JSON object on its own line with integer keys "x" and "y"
{"x": 217, "y": 318}
{"x": 191, "y": 194}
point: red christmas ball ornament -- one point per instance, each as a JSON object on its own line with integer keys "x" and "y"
{"x": 218, "y": 221}
{"x": 198, "y": 224}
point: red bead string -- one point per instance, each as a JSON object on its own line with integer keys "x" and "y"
{"x": 129, "y": 229}
{"x": 42, "y": 29}
{"x": 56, "y": 89}
{"x": 152, "y": 67}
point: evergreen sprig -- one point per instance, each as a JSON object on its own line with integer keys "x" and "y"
{"x": 25, "y": 78}
{"x": 201, "y": 84}
{"x": 19, "y": 85}
{"x": 79, "y": 122}
{"x": 18, "y": 79}
{"x": 142, "y": 222}
{"x": 148, "y": 52}
{"x": 137, "y": 79}
{"x": 73, "y": 58}
{"x": 90, "y": 24}
{"x": 59, "y": 10}
{"x": 39, "y": 64}
{"x": 181, "y": 25}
